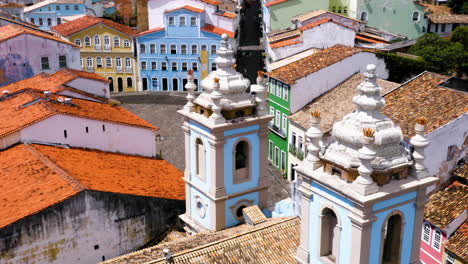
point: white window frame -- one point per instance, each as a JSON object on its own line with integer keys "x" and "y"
{"x": 173, "y": 46}
{"x": 184, "y": 65}
{"x": 270, "y": 150}
{"x": 278, "y": 89}
{"x": 284, "y": 122}
{"x": 428, "y": 241}
{"x": 107, "y": 40}
{"x": 182, "y": 49}
{"x": 277, "y": 157}
{"x": 97, "y": 40}
{"x": 163, "y": 63}
{"x": 171, "y": 20}
{"x": 87, "y": 41}
{"x": 278, "y": 119}
{"x": 285, "y": 92}
{"x": 162, "y": 48}
{"x": 418, "y": 18}
{"x": 153, "y": 48}
{"x": 128, "y": 63}
{"x": 154, "y": 65}
{"x": 283, "y": 155}
{"x": 196, "y": 49}
{"x": 176, "y": 66}
{"x": 192, "y": 22}
{"x": 449, "y": 259}
{"x": 196, "y": 66}
{"x": 78, "y": 42}
{"x": 434, "y": 240}
{"x": 142, "y": 48}
{"x": 89, "y": 62}
{"x": 182, "y": 21}
{"x": 366, "y": 16}
{"x": 213, "y": 51}
{"x": 126, "y": 43}
{"x": 99, "y": 62}
{"x": 272, "y": 86}
{"x": 118, "y": 62}
{"x": 144, "y": 65}
{"x": 116, "y": 41}
{"x": 108, "y": 62}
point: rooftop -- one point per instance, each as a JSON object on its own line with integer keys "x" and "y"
{"x": 11, "y": 5}
{"x": 423, "y": 96}
{"x": 186, "y": 7}
{"x": 47, "y": 2}
{"x": 308, "y": 65}
{"x": 217, "y": 30}
{"x": 29, "y": 107}
{"x": 316, "y": 13}
{"x": 274, "y": 2}
{"x": 461, "y": 171}
{"x": 72, "y": 27}
{"x": 446, "y": 205}
{"x": 458, "y": 241}
{"x": 35, "y": 177}
{"x": 11, "y": 31}
{"x": 336, "y": 103}
{"x": 448, "y": 18}
{"x": 273, "y": 241}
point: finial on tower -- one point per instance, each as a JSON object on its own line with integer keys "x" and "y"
{"x": 216, "y": 97}
{"x": 420, "y": 142}
{"x": 191, "y": 87}
{"x": 364, "y": 183}
{"x": 314, "y": 134}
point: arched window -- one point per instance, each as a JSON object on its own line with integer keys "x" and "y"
{"x": 392, "y": 235}
{"x": 106, "y": 42}
{"x": 364, "y": 16}
{"x": 89, "y": 62}
{"x": 200, "y": 158}
{"x": 426, "y": 234}
{"x": 241, "y": 162}
{"x": 111, "y": 84}
{"x": 87, "y": 41}
{"x": 330, "y": 235}
{"x": 78, "y": 42}
{"x": 436, "y": 241}
{"x": 108, "y": 62}
{"x": 116, "y": 41}
{"x": 118, "y": 62}
{"x": 128, "y": 63}
{"x": 126, "y": 43}
{"x": 129, "y": 82}
{"x": 98, "y": 62}
{"x": 415, "y": 16}
{"x": 97, "y": 41}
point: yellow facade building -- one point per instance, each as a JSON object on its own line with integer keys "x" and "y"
{"x": 107, "y": 48}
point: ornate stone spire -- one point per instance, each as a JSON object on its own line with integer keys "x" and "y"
{"x": 261, "y": 94}
{"x": 314, "y": 134}
{"x": 191, "y": 87}
{"x": 420, "y": 142}
{"x": 364, "y": 183}
{"x": 216, "y": 96}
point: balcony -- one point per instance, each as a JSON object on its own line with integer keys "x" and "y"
{"x": 97, "y": 47}
{"x": 118, "y": 69}
{"x": 107, "y": 47}
{"x": 90, "y": 69}
{"x": 275, "y": 129}
{"x": 129, "y": 69}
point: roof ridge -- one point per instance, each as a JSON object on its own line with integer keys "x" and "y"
{"x": 49, "y": 163}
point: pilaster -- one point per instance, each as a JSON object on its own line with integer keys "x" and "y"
{"x": 303, "y": 254}
{"x": 418, "y": 220}
{"x": 361, "y": 237}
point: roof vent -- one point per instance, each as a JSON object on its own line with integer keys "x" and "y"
{"x": 6, "y": 93}
{"x": 47, "y": 95}
{"x": 167, "y": 255}
{"x": 68, "y": 101}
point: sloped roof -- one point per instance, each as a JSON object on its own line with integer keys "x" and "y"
{"x": 35, "y": 177}
{"x": 274, "y": 2}
{"x": 226, "y": 14}
{"x": 336, "y": 103}
{"x": 11, "y": 5}
{"x": 458, "y": 242}
{"x": 47, "y": 2}
{"x": 186, "y": 7}
{"x": 308, "y": 65}
{"x": 285, "y": 43}
{"x": 16, "y": 20}
{"x": 461, "y": 171}
{"x": 11, "y": 31}
{"x": 316, "y": 13}
{"x": 446, "y": 205}
{"x": 274, "y": 242}
{"x": 448, "y": 18}
{"x": 217, "y": 30}
{"x": 422, "y": 96}
{"x": 153, "y": 30}
{"x": 29, "y": 107}
{"x": 77, "y": 25}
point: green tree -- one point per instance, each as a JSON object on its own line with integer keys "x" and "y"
{"x": 442, "y": 55}
{"x": 460, "y": 34}
{"x": 458, "y": 6}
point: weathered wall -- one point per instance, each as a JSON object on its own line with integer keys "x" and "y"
{"x": 87, "y": 228}
{"x": 91, "y": 86}
{"x": 281, "y": 14}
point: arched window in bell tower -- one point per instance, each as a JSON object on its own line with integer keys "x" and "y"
{"x": 241, "y": 162}
{"x": 330, "y": 236}
{"x": 200, "y": 158}
{"x": 392, "y": 235}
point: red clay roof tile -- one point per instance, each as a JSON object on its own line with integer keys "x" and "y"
{"x": 275, "y": 2}
{"x": 216, "y": 30}
{"x": 72, "y": 27}
{"x": 186, "y": 7}
{"x": 285, "y": 43}
{"x": 10, "y": 31}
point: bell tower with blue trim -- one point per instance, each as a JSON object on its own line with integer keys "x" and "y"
{"x": 226, "y": 130}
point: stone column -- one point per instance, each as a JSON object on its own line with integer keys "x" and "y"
{"x": 420, "y": 203}
{"x": 187, "y": 174}
{"x": 314, "y": 134}
{"x": 261, "y": 95}
{"x": 361, "y": 237}
{"x": 216, "y": 118}
{"x": 191, "y": 87}
{"x": 364, "y": 183}
{"x": 420, "y": 142}
{"x": 303, "y": 254}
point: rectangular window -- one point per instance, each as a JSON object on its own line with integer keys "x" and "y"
{"x": 173, "y": 49}
{"x": 193, "y": 21}
{"x": 449, "y": 259}
{"x": 154, "y": 82}
{"x": 67, "y": 7}
{"x": 163, "y": 49}
{"x": 183, "y": 49}
{"x": 213, "y": 49}
{"x": 194, "y": 49}
{"x": 49, "y": 21}
{"x": 285, "y": 92}
{"x": 174, "y": 66}
{"x": 285, "y": 123}
{"x": 270, "y": 150}
{"x": 293, "y": 139}
{"x": 278, "y": 89}
{"x": 57, "y": 7}
{"x": 108, "y": 62}
{"x": 300, "y": 143}
{"x": 143, "y": 65}
{"x": 32, "y": 20}
{"x": 204, "y": 47}
{"x": 163, "y": 66}
{"x": 45, "y": 63}
{"x": 277, "y": 156}
{"x": 154, "y": 65}
{"x": 194, "y": 66}
{"x": 283, "y": 161}
{"x": 272, "y": 86}
{"x": 182, "y": 21}
{"x": 435, "y": 30}
{"x": 213, "y": 66}
{"x": 76, "y": 8}
{"x": 171, "y": 21}
{"x": 436, "y": 240}
{"x": 153, "y": 48}
{"x": 62, "y": 61}
{"x": 426, "y": 233}
{"x": 278, "y": 119}
{"x": 41, "y": 22}
{"x": 184, "y": 66}
{"x": 442, "y": 28}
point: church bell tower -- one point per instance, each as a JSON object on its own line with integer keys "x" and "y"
{"x": 226, "y": 133}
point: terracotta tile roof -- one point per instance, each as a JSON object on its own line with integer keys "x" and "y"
{"x": 35, "y": 177}
{"x": 253, "y": 215}
{"x": 283, "y": 35}
{"x": 275, "y": 2}
{"x": 47, "y": 2}
{"x": 150, "y": 31}
{"x": 316, "y": 13}
{"x": 422, "y": 96}
{"x": 211, "y": 2}
{"x": 72, "y": 27}
{"x": 285, "y": 43}
{"x": 11, "y": 31}
{"x": 370, "y": 40}
{"x": 320, "y": 22}
{"x": 29, "y": 107}
{"x": 274, "y": 242}
{"x": 186, "y": 7}
{"x": 336, "y": 103}
{"x": 15, "y": 20}
{"x": 448, "y": 18}
{"x": 226, "y": 14}
{"x": 461, "y": 171}
{"x": 446, "y": 205}
{"x": 216, "y": 30}
{"x": 458, "y": 242}
{"x": 302, "y": 68}
{"x": 439, "y": 9}
{"x": 11, "y": 5}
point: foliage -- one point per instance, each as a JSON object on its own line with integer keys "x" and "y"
{"x": 442, "y": 55}
{"x": 402, "y": 68}
{"x": 458, "y": 6}
{"x": 460, "y": 34}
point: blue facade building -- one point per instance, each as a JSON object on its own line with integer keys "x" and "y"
{"x": 186, "y": 42}
{"x": 50, "y": 13}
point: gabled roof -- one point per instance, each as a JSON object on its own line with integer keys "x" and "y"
{"x": 422, "y": 96}
{"x": 461, "y": 171}
{"x": 186, "y": 7}
{"x": 320, "y": 22}
{"x": 217, "y": 30}
{"x": 11, "y": 31}
{"x": 274, "y": 241}
{"x": 11, "y": 5}
{"x": 153, "y": 30}
{"x": 274, "y": 2}
{"x": 458, "y": 242}
{"x": 316, "y": 13}
{"x": 77, "y": 25}
{"x": 211, "y": 2}
{"x": 48, "y": 2}
{"x": 29, "y": 107}
{"x": 16, "y": 20}
{"x": 446, "y": 205}
{"x": 284, "y": 43}
{"x": 35, "y": 177}
{"x": 225, "y": 14}
{"x": 448, "y": 18}
{"x": 299, "y": 69}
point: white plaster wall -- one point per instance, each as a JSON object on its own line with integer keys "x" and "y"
{"x": 355, "y": 25}
{"x": 453, "y": 133}
{"x": 321, "y": 37}
{"x": 156, "y": 9}
{"x": 32, "y": 48}
{"x": 91, "y": 86}
{"x": 292, "y": 160}
{"x": 116, "y": 138}
{"x": 9, "y": 140}
{"x": 317, "y": 83}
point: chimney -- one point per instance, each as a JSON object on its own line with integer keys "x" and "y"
{"x": 6, "y": 93}
{"x": 47, "y": 95}
{"x": 167, "y": 255}
{"x": 68, "y": 101}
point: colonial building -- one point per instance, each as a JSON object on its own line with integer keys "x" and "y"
{"x": 25, "y": 52}
{"x": 444, "y": 24}
{"x": 290, "y": 89}
{"x": 362, "y": 196}
{"x": 49, "y": 13}
{"x": 225, "y": 141}
{"x": 13, "y": 9}
{"x": 187, "y": 41}
{"x": 106, "y": 49}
